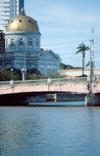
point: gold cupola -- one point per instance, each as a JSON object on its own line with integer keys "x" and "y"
{"x": 22, "y": 23}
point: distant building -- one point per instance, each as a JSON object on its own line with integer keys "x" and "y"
{"x": 2, "y": 42}
{"x": 71, "y": 73}
{"x": 23, "y": 47}
{"x": 8, "y": 10}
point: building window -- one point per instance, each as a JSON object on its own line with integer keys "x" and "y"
{"x": 42, "y": 70}
{"x": 49, "y": 70}
{"x": 42, "y": 67}
{"x": 30, "y": 43}
{"x": 6, "y": 43}
{"x": 21, "y": 43}
{"x": 37, "y": 43}
{"x": 12, "y": 43}
{"x": 54, "y": 71}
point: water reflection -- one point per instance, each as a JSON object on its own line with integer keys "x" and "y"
{"x": 50, "y": 131}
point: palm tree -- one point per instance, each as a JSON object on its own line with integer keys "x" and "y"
{"x": 88, "y": 64}
{"x": 81, "y": 49}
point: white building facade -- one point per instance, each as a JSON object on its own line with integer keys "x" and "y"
{"x": 8, "y": 10}
{"x": 72, "y": 73}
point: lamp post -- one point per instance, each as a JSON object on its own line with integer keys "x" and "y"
{"x": 24, "y": 69}
{"x": 12, "y": 82}
{"x": 23, "y": 74}
{"x": 12, "y": 74}
{"x": 49, "y": 80}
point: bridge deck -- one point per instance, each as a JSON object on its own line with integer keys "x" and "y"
{"x": 78, "y": 85}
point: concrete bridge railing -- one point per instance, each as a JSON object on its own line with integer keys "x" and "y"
{"x": 49, "y": 81}
{"x": 44, "y": 81}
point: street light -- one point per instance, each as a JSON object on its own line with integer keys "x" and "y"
{"x": 12, "y": 82}
{"x": 11, "y": 73}
{"x": 23, "y": 74}
{"x": 49, "y": 80}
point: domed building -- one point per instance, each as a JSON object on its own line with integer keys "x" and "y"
{"x": 22, "y": 47}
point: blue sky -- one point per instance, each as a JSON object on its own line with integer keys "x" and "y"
{"x": 64, "y": 24}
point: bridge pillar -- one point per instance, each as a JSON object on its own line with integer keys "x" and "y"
{"x": 51, "y": 97}
{"x": 92, "y": 100}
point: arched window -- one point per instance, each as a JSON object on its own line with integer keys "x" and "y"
{"x": 6, "y": 43}
{"x": 12, "y": 43}
{"x": 42, "y": 68}
{"x": 30, "y": 43}
{"x": 49, "y": 70}
{"x": 34, "y": 43}
{"x": 37, "y": 43}
{"x": 54, "y": 71}
{"x": 21, "y": 43}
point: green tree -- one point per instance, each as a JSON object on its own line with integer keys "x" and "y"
{"x": 17, "y": 72}
{"x": 31, "y": 74}
{"x": 5, "y": 75}
{"x": 88, "y": 64}
{"x": 34, "y": 77}
{"x": 82, "y": 48}
{"x": 64, "y": 66}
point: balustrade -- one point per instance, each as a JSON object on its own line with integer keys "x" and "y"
{"x": 52, "y": 81}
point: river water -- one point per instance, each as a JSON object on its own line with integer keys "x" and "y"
{"x": 71, "y": 130}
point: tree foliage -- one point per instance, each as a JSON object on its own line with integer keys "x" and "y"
{"x": 33, "y": 71}
{"x": 64, "y": 66}
{"x": 82, "y": 48}
{"x": 17, "y": 72}
{"x": 5, "y": 75}
{"x": 32, "y": 74}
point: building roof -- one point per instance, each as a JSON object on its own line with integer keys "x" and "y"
{"x": 43, "y": 54}
{"x": 22, "y": 23}
{"x": 75, "y": 70}
{"x": 72, "y": 70}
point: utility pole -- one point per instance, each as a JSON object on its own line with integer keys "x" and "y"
{"x": 91, "y": 62}
{"x": 91, "y": 69}
{"x": 93, "y": 49}
{"x": 24, "y": 67}
{"x": 92, "y": 99}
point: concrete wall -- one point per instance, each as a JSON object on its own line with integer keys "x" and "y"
{"x": 56, "y": 98}
{"x": 71, "y": 97}
{"x": 92, "y": 100}
{"x": 78, "y": 72}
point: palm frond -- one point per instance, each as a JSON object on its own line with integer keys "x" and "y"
{"x": 82, "y": 48}
{"x": 88, "y": 64}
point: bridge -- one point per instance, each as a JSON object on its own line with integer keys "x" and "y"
{"x": 46, "y": 86}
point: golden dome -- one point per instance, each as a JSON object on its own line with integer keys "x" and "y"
{"x": 22, "y": 23}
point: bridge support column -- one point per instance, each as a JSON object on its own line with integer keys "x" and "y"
{"x": 51, "y": 97}
{"x": 92, "y": 100}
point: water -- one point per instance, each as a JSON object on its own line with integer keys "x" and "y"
{"x": 50, "y": 131}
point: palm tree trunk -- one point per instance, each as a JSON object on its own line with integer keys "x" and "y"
{"x": 83, "y": 60}
{"x": 82, "y": 65}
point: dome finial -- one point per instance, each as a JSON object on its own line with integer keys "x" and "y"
{"x": 22, "y": 12}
